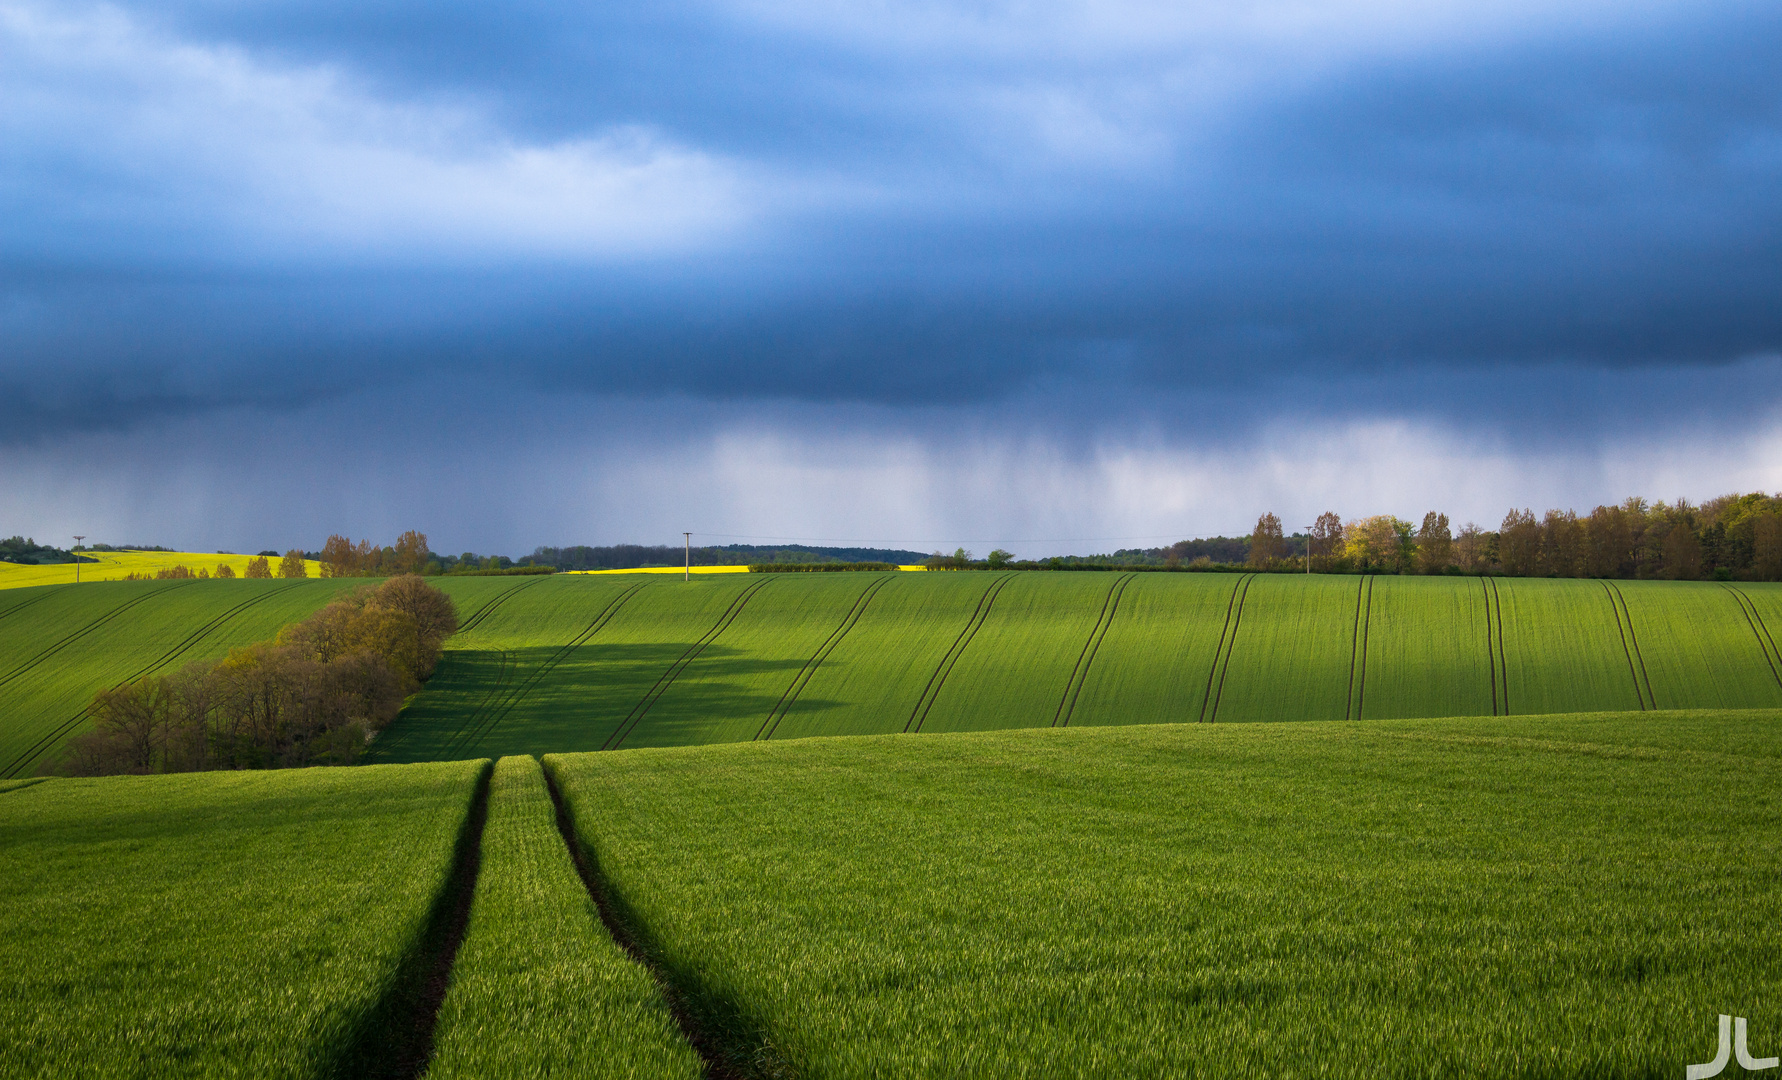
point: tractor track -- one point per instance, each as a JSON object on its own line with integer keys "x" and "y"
{"x": 70, "y": 639}
{"x": 1650, "y": 700}
{"x": 489, "y": 605}
{"x": 684, "y": 661}
{"x": 23, "y": 604}
{"x": 185, "y": 645}
{"x": 471, "y": 734}
{"x": 803, "y": 678}
{"x": 1364, "y": 613}
{"x": 1234, "y": 617}
{"x": 931, "y": 691}
{"x": 505, "y": 664}
{"x": 1490, "y": 649}
{"x": 1503, "y": 657}
{"x": 1079, "y": 674}
{"x": 1759, "y": 629}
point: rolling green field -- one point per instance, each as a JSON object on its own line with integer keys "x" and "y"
{"x": 538, "y": 987}
{"x": 588, "y": 662}
{"x": 628, "y": 661}
{"x": 60, "y": 644}
{"x": 218, "y": 924}
{"x": 1499, "y": 897}
{"x": 1562, "y": 895}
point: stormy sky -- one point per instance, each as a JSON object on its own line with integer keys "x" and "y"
{"x": 1055, "y": 276}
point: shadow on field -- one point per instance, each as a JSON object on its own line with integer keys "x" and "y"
{"x": 393, "y": 1040}
{"x": 732, "y": 1043}
{"x": 542, "y": 700}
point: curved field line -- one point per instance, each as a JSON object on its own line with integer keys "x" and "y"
{"x": 23, "y": 604}
{"x": 1503, "y": 655}
{"x": 1621, "y": 629}
{"x": 1490, "y": 651}
{"x": 684, "y": 661}
{"x": 1354, "y": 645}
{"x": 1206, "y": 697}
{"x": 500, "y": 700}
{"x": 970, "y": 623}
{"x": 1759, "y": 628}
{"x": 1237, "y": 620}
{"x": 1358, "y": 679}
{"x": 42, "y": 745}
{"x": 803, "y": 678}
{"x": 504, "y": 669}
{"x": 1634, "y": 639}
{"x": 494, "y": 602}
{"x": 470, "y": 734}
{"x": 85, "y": 630}
{"x": 1079, "y": 675}
{"x": 931, "y": 692}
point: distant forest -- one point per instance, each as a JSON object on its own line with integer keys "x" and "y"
{"x": 638, "y": 556}
{"x": 1730, "y": 538}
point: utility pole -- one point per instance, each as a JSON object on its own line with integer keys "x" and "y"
{"x": 1308, "y": 529}
{"x": 77, "y": 541}
{"x": 689, "y": 537}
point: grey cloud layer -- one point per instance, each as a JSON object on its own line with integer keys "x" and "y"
{"x": 212, "y": 204}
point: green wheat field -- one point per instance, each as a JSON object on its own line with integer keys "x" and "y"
{"x": 924, "y": 825}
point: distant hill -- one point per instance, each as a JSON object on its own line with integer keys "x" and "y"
{"x": 637, "y": 556}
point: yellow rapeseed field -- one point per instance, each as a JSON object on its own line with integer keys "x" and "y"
{"x": 113, "y": 565}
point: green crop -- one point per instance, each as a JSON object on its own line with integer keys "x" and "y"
{"x": 60, "y": 644}
{"x": 574, "y": 662}
{"x": 1552, "y": 896}
{"x": 218, "y": 924}
{"x": 598, "y": 663}
{"x": 539, "y": 988}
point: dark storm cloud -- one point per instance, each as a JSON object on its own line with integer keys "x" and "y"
{"x": 932, "y": 220}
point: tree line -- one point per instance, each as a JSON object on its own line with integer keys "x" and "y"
{"x": 1732, "y": 537}
{"x": 314, "y": 695}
